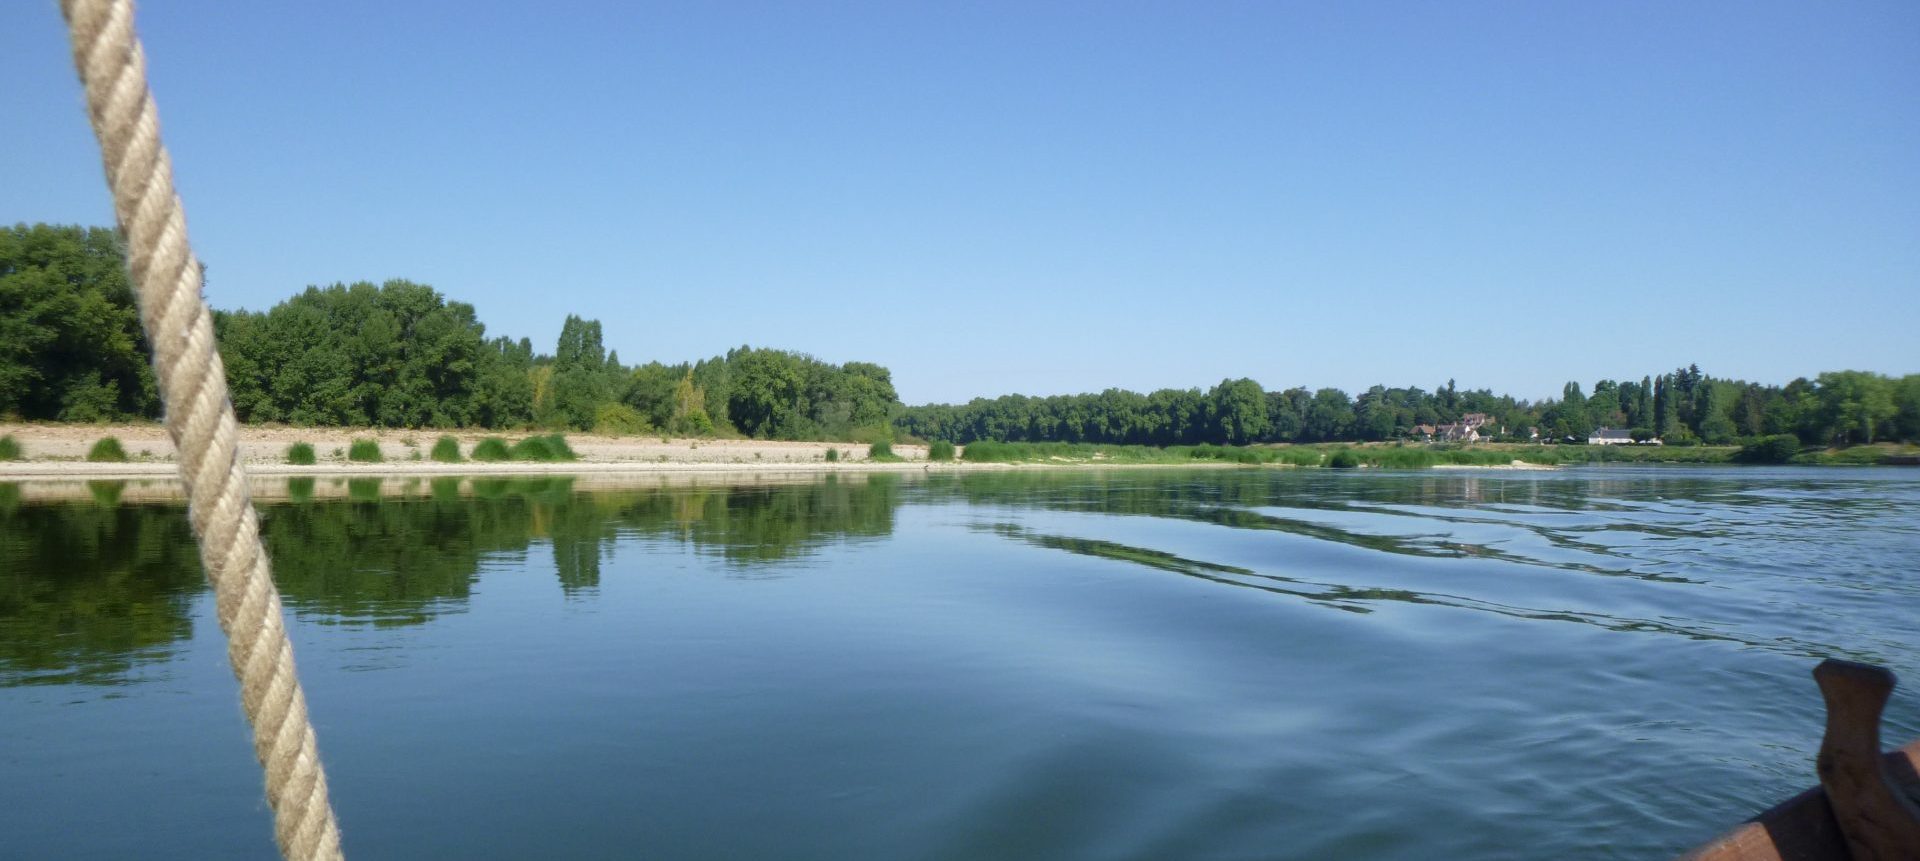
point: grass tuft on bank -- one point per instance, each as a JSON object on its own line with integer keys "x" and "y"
{"x": 542, "y": 449}
{"x": 107, "y": 450}
{"x": 446, "y": 450}
{"x": 493, "y": 449}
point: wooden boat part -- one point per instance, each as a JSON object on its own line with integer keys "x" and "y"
{"x": 1867, "y": 807}
{"x": 1878, "y": 819}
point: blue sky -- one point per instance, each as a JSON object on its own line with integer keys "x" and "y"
{"x": 1054, "y": 197}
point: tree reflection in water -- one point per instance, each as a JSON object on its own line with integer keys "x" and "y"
{"x": 88, "y": 592}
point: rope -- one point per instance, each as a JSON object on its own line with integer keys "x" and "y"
{"x": 199, "y": 417}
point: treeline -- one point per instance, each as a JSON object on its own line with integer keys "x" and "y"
{"x": 396, "y": 354}
{"x": 400, "y": 355}
{"x": 1680, "y": 408}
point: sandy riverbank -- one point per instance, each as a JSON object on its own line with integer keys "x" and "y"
{"x": 59, "y": 451}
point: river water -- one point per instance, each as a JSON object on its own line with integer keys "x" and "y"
{"x": 1120, "y": 664}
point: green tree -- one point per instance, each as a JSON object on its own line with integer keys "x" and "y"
{"x": 1374, "y": 415}
{"x": 1854, "y": 405}
{"x": 650, "y": 389}
{"x": 580, "y": 382}
{"x": 1906, "y": 403}
{"x": 766, "y": 391}
{"x": 1239, "y": 410}
{"x": 1666, "y": 416}
{"x": 70, "y": 342}
{"x": 1716, "y": 426}
{"x": 689, "y": 416}
{"x": 1603, "y": 407}
{"x": 1573, "y": 420}
{"x": 1329, "y": 418}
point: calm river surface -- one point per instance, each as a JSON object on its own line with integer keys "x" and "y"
{"x": 1144, "y": 664}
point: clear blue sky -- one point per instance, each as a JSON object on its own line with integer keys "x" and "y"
{"x": 1054, "y": 197}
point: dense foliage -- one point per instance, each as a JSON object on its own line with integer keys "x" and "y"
{"x": 1682, "y": 407}
{"x": 397, "y": 354}
{"x": 70, "y": 342}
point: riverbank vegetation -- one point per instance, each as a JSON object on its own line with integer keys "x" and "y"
{"x": 107, "y": 450}
{"x": 402, "y": 355}
{"x": 1375, "y": 455}
{"x": 446, "y": 450}
{"x": 1683, "y": 408}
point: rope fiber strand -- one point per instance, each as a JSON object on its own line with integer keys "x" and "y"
{"x": 199, "y": 417}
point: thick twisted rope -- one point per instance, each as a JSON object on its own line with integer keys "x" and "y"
{"x": 193, "y": 388}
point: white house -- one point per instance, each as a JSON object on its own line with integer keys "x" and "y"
{"x": 1610, "y": 436}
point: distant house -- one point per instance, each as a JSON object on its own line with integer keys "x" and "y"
{"x": 1476, "y": 420}
{"x": 1424, "y": 432}
{"x": 1610, "y": 436}
{"x": 1460, "y": 432}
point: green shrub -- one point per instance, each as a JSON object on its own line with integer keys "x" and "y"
{"x": 446, "y": 450}
{"x": 1399, "y": 457}
{"x": 1343, "y": 459}
{"x": 300, "y": 454}
{"x": 941, "y": 451}
{"x": 557, "y": 444}
{"x": 492, "y": 449}
{"x": 1778, "y": 448}
{"x": 833, "y": 455}
{"x": 695, "y": 423}
{"x": 364, "y": 451}
{"x": 107, "y": 450}
{"x": 619, "y": 420}
{"x": 552, "y": 447}
{"x": 533, "y": 448}
{"x": 990, "y": 451}
{"x": 881, "y": 451}
{"x": 1297, "y": 456}
{"x": 9, "y": 448}
{"x": 873, "y": 434}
